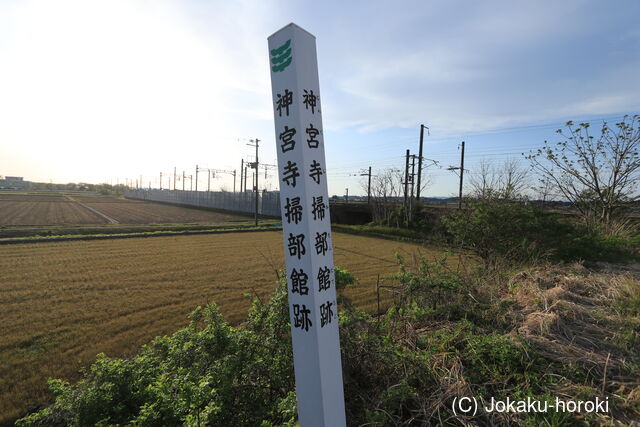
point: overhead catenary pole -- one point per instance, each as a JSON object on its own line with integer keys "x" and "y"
{"x": 256, "y": 143}
{"x": 368, "y": 184}
{"x": 422, "y": 127}
{"x": 413, "y": 175}
{"x": 306, "y": 228}
{"x": 160, "y": 180}
{"x": 174, "y": 178}
{"x": 245, "y": 177}
{"x": 406, "y": 179}
{"x": 208, "y": 181}
{"x": 369, "y": 187}
{"x": 234, "y": 180}
{"x": 257, "y": 175}
{"x": 461, "y": 176}
{"x": 255, "y": 180}
{"x": 183, "y": 180}
{"x": 413, "y": 180}
{"x": 196, "y": 177}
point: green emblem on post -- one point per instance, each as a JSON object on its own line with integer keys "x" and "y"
{"x": 281, "y": 57}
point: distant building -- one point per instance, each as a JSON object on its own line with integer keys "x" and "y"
{"x": 13, "y": 183}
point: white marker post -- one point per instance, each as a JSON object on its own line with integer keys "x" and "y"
{"x": 308, "y": 247}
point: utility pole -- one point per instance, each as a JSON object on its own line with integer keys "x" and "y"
{"x": 160, "y": 180}
{"x": 245, "y": 177}
{"x": 413, "y": 180}
{"x": 184, "y": 178}
{"x": 241, "y": 169}
{"x": 413, "y": 175}
{"x": 369, "y": 187}
{"x": 234, "y": 180}
{"x": 190, "y": 182}
{"x": 256, "y": 143}
{"x": 406, "y": 179}
{"x": 174, "y": 178}
{"x": 461, "y": 176}
{"x": 422, "y": 128}
{"x": 196, "y": 177}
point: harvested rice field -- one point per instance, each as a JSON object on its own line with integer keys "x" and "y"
{"x": 23, "y": 210}
{"x": 62, "y": 303}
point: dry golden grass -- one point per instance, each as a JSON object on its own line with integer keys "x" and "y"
{"x": 62, "y": 303}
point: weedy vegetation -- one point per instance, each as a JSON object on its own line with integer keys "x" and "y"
{"x": 538, "y": 333}
{"x": 64, "y": 302}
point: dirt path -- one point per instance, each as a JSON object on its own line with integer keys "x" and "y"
{"x": 95, "y": 211}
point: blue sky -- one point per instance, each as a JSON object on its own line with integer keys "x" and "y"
{"x": 103, "y": 91}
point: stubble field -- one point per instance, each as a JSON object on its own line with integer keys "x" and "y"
{"x": 19, "y": 209}
{"x": 60, "y": 209}
{"x": 62, "y": 303}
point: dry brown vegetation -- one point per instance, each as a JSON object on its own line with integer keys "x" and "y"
{"x": 62, "y": 303}
{"x": 138, "y": 212}
{"x": 58, "y": 209}
{"x": 58, "y": 212}
{"x": 570, "y": 332}
{"x": 573, "y": 315}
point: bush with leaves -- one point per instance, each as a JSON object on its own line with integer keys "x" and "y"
{"x": 506, "y": 231}
{"x": 206, "y": 374}
{"x": 429, "y": 284}
{"x": 512, "y": 233}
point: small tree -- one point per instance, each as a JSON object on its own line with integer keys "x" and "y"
{"x": 386, "y": 190}
{"x": 483, "y": 180}
{"x": 597, "y": 174}
{"x": 507, "y": 181}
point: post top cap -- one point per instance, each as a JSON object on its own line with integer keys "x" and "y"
{"x": 291, "y": 25}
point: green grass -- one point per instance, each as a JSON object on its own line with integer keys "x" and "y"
{"x": 395, "y": 233}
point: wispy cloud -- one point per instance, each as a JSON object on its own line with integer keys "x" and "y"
{"x": 150, "y": 85}
{"x": 469, "y": 66}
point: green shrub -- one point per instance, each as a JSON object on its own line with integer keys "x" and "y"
{"x": 591, "y": 246}
{"x": 506, "y": 231}
{"x": 429, "y": 284}
{"x": 208, "y": 373}
{"x": 515, "y": 233}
